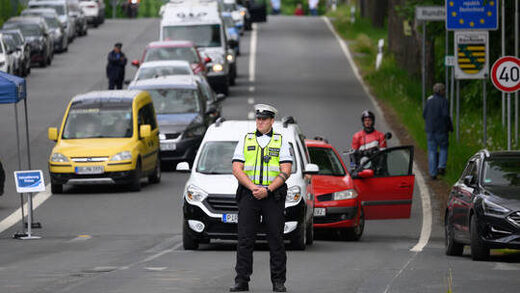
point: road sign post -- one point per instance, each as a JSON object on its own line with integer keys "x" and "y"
{"x": 29, "y": 182}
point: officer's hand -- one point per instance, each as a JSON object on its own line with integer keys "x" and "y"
{"x": 260, "y": 193}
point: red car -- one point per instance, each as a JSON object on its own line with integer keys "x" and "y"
{"x": 174, "y": 50}
{"x": 381, "y": 189}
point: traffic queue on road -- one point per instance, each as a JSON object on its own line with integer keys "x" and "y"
{"x": 45, "y": 27}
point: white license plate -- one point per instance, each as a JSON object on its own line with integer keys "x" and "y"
{"x": 230, "y": 218}
{"x": 168, "y": 146}
{"x": 319, "y": 212}
{"x": 90, "y": 170}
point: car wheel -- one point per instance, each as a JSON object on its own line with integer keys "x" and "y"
{"x": 310, "y": 232}
{"x": 56, "y": 188}
{"x": 225, "y": 90}
{"x": 452, "y": 247}
{"x": 188, "y": 242}
{"x": 355, "y": 233}
{"x": 299, "y": 239}
{"x": 479, "y": 251}
{"x": 43, "y": 63}
{"x": 135, "y": 185}
{"x": 156, "y": 175}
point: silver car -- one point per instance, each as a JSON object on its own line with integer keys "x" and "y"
{"x": 25, "y": 50}
{"x": 62, "y": 9}
{"x": 56, "y": 30}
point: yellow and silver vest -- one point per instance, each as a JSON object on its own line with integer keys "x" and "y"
{"x": 262, "y": 165}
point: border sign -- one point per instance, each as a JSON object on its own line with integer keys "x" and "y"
{"x": 29, "y": 181}
{"x": 430, "y": 13}
{"x": 505, "y": 74}
{"x": 471, "y": 51}
{"x": 472, "y": 14}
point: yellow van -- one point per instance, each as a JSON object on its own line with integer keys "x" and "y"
{"x": 106, "y": 137}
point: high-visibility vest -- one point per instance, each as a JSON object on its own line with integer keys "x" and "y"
{"x": 262, "y": 165}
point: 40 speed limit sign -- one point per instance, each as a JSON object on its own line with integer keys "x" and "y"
{"x": 505, "y": 74}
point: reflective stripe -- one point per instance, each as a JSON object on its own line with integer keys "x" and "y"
{"x": 256, "y": 179}
{"x": 249, "y": 168}
{"x": 369, "y": 145}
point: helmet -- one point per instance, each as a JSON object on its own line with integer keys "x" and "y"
{"x": 368, "y": 114}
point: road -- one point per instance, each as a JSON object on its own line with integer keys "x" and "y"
{"x": 101, "y": 239}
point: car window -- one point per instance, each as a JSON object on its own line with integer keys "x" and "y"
{"x": 168, "y": 53}
{"x": 502, "y": 172}
{"x": 467, "y": 170}
{"x": 147, "y": 116}
{"x": 216, "y": 156}
{"x": 28, "y": 29}
{"x": 293, "y": 156}
{"x": 174, "y": 101}
{"x": 327, "y": 161}
{"x": 207, "y": 35}
{"x": 390, "y": 163}
{"x": 2, "y": 47}
{"x": 60, "y": 9}
{"x": 154, "y": 72}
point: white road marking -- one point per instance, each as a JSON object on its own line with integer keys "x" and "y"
{"x": 81, "y": 238}
{"x": 250, "y": 115}
{"x": 16, "y": 216}
{"x": 423, "y": 189}
{"x": 251, "y": 89}
{"x": 155, "y": 269}
{"x": 251, "y": 101}
{"x": 506, "y": 267}
{"x": 252, "y": 53}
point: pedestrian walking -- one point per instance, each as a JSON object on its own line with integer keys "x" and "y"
{"x": 437, "y": 119}
{"x": 313, "y": 7}
{"x": 276, "y": 6}
{"x": 262, "y": 163}
{"x": 298, "y": 11}
{"x": 116, "y": 67}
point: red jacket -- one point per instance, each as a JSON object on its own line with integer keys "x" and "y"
{"x": 365, "y": 141}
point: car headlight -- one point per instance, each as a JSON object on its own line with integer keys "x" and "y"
{"x": 493, "y": 209}
{"x": 162, "y": 136}
{"x": 229, "y": 58}
{"x": 217, "y": 67}
{"x": 195, "y": 194}
{"x": 345, "y": 194}
{"x": 293, "y": 194}
{"x": 122, "y": 156}
{"x": 58, "y": 158}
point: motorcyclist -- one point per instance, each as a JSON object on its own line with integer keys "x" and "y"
{"x": 368, "y": 140}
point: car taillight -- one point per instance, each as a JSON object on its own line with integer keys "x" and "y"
{"x": 92, "y": 6}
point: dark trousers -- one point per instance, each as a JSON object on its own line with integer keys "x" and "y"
{"x": 249, "y": 211}
{"x": 115, "y": 83}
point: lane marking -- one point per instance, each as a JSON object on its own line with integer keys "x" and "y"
{"x": 426, "y": 228}
{"x": 251, "y": 116}
{"x": 16, "y": 216}
{"x": 80, "y": 238}
{"x": 155, "y": 269}
{"x": 251, "y": 101}
{"x": 400, "y": 272}
{"x": 252, "y": 53}
{"x": 251, "y": 89}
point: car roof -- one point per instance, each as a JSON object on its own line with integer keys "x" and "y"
{"x": 158, "y": 63}
{"x": 53, "y": 2}
{"x": 117, "y": 94}
{"x": 191, "y": 15}
{"x": 169, "y": 81}
{"x": 27, "y": 19}
{"x": 160, "y": 44}
{"x": 318, "y": 143}
{"x": 11, "y": 30}
{"x": 498, "y": 154}
{"x": 40, "y": 10}
{"x": 234, "y": 130}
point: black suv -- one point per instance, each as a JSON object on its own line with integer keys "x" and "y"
{"x": 484, "y": 205}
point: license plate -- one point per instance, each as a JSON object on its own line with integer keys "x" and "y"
{"x": 230, "y": 218}
{"x": 168, "y": 146}
{"x": 319, "y": 212}
{"x": 90, "y": 170}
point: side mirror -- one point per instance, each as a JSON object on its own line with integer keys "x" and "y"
{"x": 388, "y": 135}
{"x": 469, "y": 180}
{"x": 145, "y": 131}
{"x": 52, "y": 133}
{"x": 311, "y": 169}
{"x": 183, "y": 167}
{"x": 221, "y": 97}
{"x": 367, "y": 173}
{"x": 207, "y": 60}
{"x": 211, "y": 110}
{"x": 136, "y": 63}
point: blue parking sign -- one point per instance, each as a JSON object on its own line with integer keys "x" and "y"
{"x": 472, "y": 14}
{"x": 29, "y": 181}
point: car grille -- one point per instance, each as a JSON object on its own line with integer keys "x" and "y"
{"x": 325, "y": 197}
{"x": 514, "y": 218}
{"x": 171, "y": 135}
{"x": 222, "y": 203}
{"x": 89, "y": 159}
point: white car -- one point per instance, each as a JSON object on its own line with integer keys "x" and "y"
{"x": 210, "y": 209}
{"x": 7, "y": 58}
{"x": 154, "y": 69}
{"x": 94, "y": 10}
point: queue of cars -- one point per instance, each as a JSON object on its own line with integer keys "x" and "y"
{"x": 43, "y": 28}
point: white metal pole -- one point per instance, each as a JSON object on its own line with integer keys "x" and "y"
{"x": 484, "y": 109}
{"x": 446, "y": 52}
{"x": 508, "y": 122}
{"x": 503, "y": 31}
{"x": 516, "y": 54}
{"x": 452, "y": 91}
{"x": 19, "y": 161}
{"x": 458, "y": 111}
{"x": 29, "y": 215}
{"x": 423, "y": 69}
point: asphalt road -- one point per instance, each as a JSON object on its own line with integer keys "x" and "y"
{"x": 101, "y": 239}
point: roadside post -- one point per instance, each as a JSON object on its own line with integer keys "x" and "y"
{"x": 29, "y": 182}
{"x": 449, "y": 63}
{"x": 471, "y": 21}
{"x": 505, "y": 75}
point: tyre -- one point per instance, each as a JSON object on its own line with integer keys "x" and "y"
{"x": 452, "y": 247}
{"x": 299, "y": 238}
{"x": 155, "y": 177}
{"x": 479, "y": 251}
{"x": 225, "y": 90}
{"x": 49, "y": 60}
{"x": 135, "y": 185}
{"x": 56, "y": 188}
{"x": 43, "y": 63}
{"x": 354, "y": 233}
{"x": 188, "y": 242}
{"x": 310, "y": 232}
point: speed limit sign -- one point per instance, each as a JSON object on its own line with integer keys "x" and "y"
{"x": 505, "y": 74}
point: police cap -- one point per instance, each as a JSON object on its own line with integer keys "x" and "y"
{"x": 118, "y": 44}
{"x": 265, "y": 111}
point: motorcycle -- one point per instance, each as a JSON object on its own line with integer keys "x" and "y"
{"x": 359, "y": 158}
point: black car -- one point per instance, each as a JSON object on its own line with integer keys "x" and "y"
{"x": 24, "y": 48}
{"x": 484, "y": 205}
{"x": 36, "y": 33}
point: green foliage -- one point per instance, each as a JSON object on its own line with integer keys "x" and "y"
{"x": 6, "y": 10}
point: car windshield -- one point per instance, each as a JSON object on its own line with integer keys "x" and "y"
{"x": 27, "y": 29}
{"x": 175, "y": 101}
{"x": 502, "y": 172}
{"x": 207, "y": 35}
{"x": 182, "y": 53}
{"x": 59, "y": 8}
{"x": 16, "y": 38}
{"x": 327, "y": 160}
{"x": 154, "y": 72}
{"x": 216, "y": 157}
{"x": 99, "y": 120}
{"x": 52, "y": 22}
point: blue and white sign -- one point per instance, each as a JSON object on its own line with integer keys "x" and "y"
{"x": 29, "y": 181}
{"x": 472, "y": 14}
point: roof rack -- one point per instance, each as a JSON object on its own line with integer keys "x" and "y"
{"x": 288, "y": 120}
{"x": 219, "y": 121}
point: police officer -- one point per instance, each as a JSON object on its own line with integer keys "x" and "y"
{"x": 261, "y": 163}
{"x": 116, "y": 67}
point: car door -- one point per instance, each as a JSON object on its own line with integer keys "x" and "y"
{"x": 465, "y": 199}
{"x": 388, "y": 193}
{"x": 150, "y": 144}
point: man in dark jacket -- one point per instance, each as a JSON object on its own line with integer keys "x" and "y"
{"x": 436, "y": 114}
{"x": 116, "y": 67}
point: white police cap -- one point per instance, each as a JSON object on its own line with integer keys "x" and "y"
{"x": 265, "y": 111}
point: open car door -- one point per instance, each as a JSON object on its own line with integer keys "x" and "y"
{"x": 385, "y": 184}
{"x": 258, "y": 10}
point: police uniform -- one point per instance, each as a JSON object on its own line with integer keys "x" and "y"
{"x": 262, "y": 155}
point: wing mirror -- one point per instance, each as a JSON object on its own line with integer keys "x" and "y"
{"x": 136, "y": 63}
{"x": 52, "y": 133}
{"x": 221, "y": 97}
{"x": 207, "y": 60}
{"x": 211, "y": 110}
{"x": 469, "y": 180}
{"x": 367, "y": 173}
{"x": 311, "y": 169}
{"x": 388, "y": 135}
{"x": 183, "y": 167}
{"x": 145, "y": 131}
